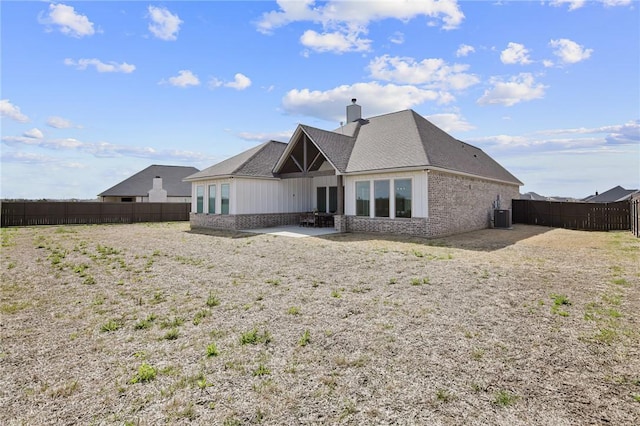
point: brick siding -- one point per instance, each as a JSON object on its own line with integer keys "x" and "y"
{"x": 243, "y": 221}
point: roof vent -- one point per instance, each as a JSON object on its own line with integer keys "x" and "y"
{"x": 354, "y": 111}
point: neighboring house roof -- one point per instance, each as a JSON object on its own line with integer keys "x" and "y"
{"x": 255, "y": 162}
{"x": 533, "y": 196}
{"x": 393, "y": 141}
{"x": 617, "y": 193}
{"x": 141, "y": 183}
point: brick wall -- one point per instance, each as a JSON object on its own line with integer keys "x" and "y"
{"x": 243, "y": 221}
{"x": 461, "y": 204}
{"x": 413, "y": 226}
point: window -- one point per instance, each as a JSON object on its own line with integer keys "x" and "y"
{"x": 224, "y": 198}
{"x": 403, "y": 197}
{"x": 333, "y": 199}
{"x": 381, "y": 192}
{"x": 127, "y": 199}
{"x": 363, "y": 198}
{"x": 212, "y": 199}
{"x": 199, "y": 199}
{"x": 321, "y": 198}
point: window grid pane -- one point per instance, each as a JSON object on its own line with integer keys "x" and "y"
{"x": 212, "y": 199}
{"x": 381, "y": 192}
{"x": 362, "y": 199}
{"x": 224, "y": 198}
{"x": 199, "y": 199}
{"x": 321, "y": 199}
{"x": 403, "y": 197}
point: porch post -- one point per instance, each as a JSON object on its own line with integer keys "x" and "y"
{"x": 340, "y": 210}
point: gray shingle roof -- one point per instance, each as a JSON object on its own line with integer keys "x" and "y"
{"x": 614, "y": 194}
{"x": 398, "y": 140}
{"x": 255, "y": 162}
{"x": 139, "y": 184}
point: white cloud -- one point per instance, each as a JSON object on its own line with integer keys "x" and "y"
{"x": 185, "y": 78}
{"x": 573, "y": 4}
{"x": 33, "y": 133}
{"x": 577, "y": 4}
{"x": 262, "y": 137}
{"x": 433, "y": 73}
{"x": 240, "y": 82}
{"x": 100, "y": 66}
{"x": 68, "y": 21}
{"x": 338, "y": 42}
{"x": 104, "y": 149}
{"x": 515, "y": 53}
{"x": 464, "y": 50}
{"x": 344, "y": 22}
{"x": 164, "y": 25}
{"x": 518, "y": 89}
{"x": 397, "y": 38}
{"x": 569, "y": 51}
{"x": 60, "y": 123}
{"x": 9, "y": 110}
{"x": 375, "y": 98}
{"x": 450, "y": 122}
{"x": 354, "y": 13}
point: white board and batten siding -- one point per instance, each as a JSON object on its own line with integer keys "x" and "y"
{"x": 419, "y": 190}
{"x": 261, "y": 196}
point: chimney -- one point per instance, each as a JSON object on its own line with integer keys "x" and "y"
{"x": 157, "y": 193}
{"x": 354, "y": 111}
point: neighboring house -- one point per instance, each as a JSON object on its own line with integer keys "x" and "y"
{"x": 394, "y": 173}
{"x": 154, "y": 184}
{"x": 617, "y": 193}
{"x": 532, "y": 196}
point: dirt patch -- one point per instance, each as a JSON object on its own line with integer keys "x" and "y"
{"x": 154, "y": 323}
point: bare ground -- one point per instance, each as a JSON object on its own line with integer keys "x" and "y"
{"x": 505, "y": 327}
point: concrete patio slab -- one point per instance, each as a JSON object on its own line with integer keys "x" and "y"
{"x": 293, "y": 231}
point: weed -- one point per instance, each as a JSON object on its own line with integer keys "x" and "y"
{"x": 336, "y": 294}
{"x": 393, "y": 280}
{"x": 262, "y": 370}
{"x": 349, "y": 409}
{"x": 605, "y": 335}
{"x": 197, "y": 319}
{"x": 89, "y": 280}
{"x": 252, "y": 337}
{"x": 172, "y": 334}
{"x": 11, "y": 265}
{"x": 158, "y": 297}
{"x": 145, "y": 323}
{"x": 443, "y": 395}
{"x": 212, "y": 350}
{"x": 145, "y": 373}
{"x": 212, "y": 300}
{"x": 636, "y": 397}
{"x": 622, "y": 282}
{"x": 274, "y": 281}
{"x": 106, "y": 251}
{"x": 175, "y": 322}
{"x": 416, "y": 281}
{"x": 560, "y": 300}
{"x": 477, "y": 354}
{"x": 505, "y": 398}
{"x": 111, "y": 325}
{"x": 305, "y": 339}
{"x": 231, "y": 421}
{"x": 294, "y": 310}
{"x": 12, "y": 308}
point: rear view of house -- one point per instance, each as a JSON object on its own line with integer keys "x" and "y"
{"x": 394, "y": 173}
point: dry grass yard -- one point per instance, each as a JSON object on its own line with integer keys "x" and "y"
{"x": 153, "y": 324}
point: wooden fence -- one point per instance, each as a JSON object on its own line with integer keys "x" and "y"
{"x": 27, "y": 213}
{"x": 582, "y": 216}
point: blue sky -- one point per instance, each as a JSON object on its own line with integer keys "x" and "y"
{"x": 93, "y": 92}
